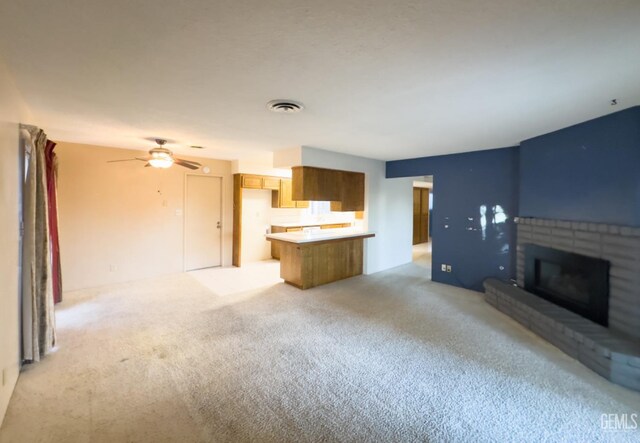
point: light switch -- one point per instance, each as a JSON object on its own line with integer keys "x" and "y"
{"x": 178, "y": 212}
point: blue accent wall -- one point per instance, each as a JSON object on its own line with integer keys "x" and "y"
{"x": 587, "y": 172}
{"x": 462, "y": 184}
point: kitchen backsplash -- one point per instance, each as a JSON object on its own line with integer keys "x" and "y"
{"x": 303, "y": 216}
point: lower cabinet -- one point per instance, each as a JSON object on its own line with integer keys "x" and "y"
{"x": 275, "y": 247}
{"x": 336, "y": 226}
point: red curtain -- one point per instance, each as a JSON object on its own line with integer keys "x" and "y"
{"x": 52, "y": 171}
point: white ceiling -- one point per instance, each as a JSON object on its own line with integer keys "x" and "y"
{"x": 379, "y": 78}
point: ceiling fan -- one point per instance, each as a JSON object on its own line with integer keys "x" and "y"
{"x": 161, "y": 157}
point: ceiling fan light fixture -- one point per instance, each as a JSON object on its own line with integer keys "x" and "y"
{"x": 161, "y": 160}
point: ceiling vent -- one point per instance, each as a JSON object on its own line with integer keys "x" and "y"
{"x": 285, "y": 106}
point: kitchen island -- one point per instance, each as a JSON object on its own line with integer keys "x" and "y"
{"x": 313, "y": 258}
{"x": 291, "y": 227}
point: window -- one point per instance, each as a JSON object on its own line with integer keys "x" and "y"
{"x": 319, "y": 208}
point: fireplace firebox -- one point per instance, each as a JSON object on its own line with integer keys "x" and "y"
{"x": 573, "y": 281}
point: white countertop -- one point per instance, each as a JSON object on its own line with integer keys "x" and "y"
{"x": 319, "y": 235}
{"x": 303, "y": 225}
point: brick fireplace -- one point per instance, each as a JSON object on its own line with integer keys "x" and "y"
{"x": 613, "y": 351}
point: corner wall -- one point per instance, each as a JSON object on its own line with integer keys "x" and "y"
{"x": 586, "y": 173}
{"x": 12, "y": 111}
{"x": 462, "y": 183}
{"x": 121, "y": 221}
{"x": 388, "y": 205}
{"x": 589, "y": 172}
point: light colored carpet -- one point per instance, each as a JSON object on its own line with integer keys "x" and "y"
{"x": 422, "y": 255}
{"x": 387, "y": 357}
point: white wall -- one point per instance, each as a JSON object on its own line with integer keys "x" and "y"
{"x": 256, "y": 210}
{"x": 388, "y": 207}
{"x": 12, "y": 112}
{"x": 259, "y": 168}
{"x": 287, "y": 158}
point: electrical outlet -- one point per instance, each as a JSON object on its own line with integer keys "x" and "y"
{"x": 443, "y": 268}
{"x": 113, "y": 268}
{"x": 448, "y": 268}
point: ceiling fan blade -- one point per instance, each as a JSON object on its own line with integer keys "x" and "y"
{"x": 148, "y": 165}
{"x": 127, "y": 160}
{"x": 186, "y": 163}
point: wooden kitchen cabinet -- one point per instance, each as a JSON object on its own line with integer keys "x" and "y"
{"x": 316, "y": 184}
{"x": 251, "y": 181}
{"x": 283, "y": 198}
{"x": 344, "y": 189}
{"x": 336, "y": 226}
{"x": 317, "y": 262}
{"x": 280, "y": 198}
{"x": 351, "y": 192}
{"x": 272, "y": 183}
{"x": 260, "y": 182}
{"x": 275, "y": 246}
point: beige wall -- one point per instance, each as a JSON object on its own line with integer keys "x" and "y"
{"x": 12, "y": 111}
{"x": 121, "y": 221}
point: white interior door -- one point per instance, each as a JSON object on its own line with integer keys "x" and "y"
{"x": 203, "y": 222}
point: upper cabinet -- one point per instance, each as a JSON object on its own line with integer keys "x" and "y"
{"x": 251, "y": 181}
{"x": 283, "y": 198}
{"x": 317, "y": 184}
{"x": 344, "y": 189}
{"x": 272, "y": 183}
{"x": 352, "y": 192}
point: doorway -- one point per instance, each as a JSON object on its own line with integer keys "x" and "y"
{"x": 422, "y": 204}
{"x": 202, "y": 222}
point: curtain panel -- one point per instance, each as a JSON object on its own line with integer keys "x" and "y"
{"x": 38, "y": 319}
{"x": 52, "y": 196}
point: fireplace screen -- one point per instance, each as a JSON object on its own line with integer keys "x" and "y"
{"x": 575, "y": 282}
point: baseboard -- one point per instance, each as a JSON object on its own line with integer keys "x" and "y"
{"x": 8, "y": 380}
